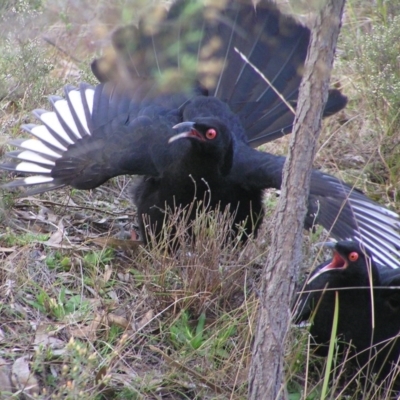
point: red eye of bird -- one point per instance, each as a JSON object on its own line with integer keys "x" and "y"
{"x": 211, "y": 134}
{"x": 353, "y": 256}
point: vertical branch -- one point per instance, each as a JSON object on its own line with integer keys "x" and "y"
{"x": 266, "y": 377}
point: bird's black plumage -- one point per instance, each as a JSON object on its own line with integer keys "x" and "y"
{"x": 199, "y": 63}
{"x": 369, "y": 306}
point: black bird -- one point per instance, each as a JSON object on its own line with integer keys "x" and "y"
{"x": 369, "y": 306}
{"x": 196, "y": 74}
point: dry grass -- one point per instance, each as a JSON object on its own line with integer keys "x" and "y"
{"x": 86, "y": 313}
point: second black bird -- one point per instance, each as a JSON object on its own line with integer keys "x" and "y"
{"x": 368, "y": 309}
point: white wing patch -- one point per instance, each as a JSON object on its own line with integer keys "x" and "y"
{"x": 76, "y": 101}
{"x": 28, "y": 155}
{"x": 89, "y": 93}
{"x": 35, "y": 180}
{"x": 31, "y": 167}
{"x": 42, "y": 133}
{"x": 51, "y": 120}
{"x": 60, "y": 129}
{"x": 38, "y": 147}
{"x": 63, "y": 109}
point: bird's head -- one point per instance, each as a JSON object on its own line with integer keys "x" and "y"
{"x": 211, "y": 139}
{"x": 351, "y": 264}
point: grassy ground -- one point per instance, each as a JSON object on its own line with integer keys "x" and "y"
{"x": 87, "y": 314}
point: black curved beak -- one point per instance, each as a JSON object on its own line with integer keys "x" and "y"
{"x": 337, "y": 263}
{"x": 189, "y": 131}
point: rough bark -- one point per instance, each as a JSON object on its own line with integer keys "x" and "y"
{"x": 266, "y": 377}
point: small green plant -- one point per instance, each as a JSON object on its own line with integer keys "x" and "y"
{"x": 182, "y": 334}
{"x": 59, "y": 307}
{"x": 221, "y": 341}
{"x": 15, "y": 239}
{"x": 98, "y": 258}
{"x": 58, "y": 259}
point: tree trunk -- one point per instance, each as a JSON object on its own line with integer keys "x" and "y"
{"x": 266, "y": 377}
